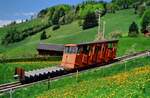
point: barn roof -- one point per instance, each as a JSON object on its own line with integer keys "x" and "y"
{"x": 51, "y": 47}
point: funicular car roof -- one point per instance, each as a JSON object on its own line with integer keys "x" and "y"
{"x": 95, "y": 42}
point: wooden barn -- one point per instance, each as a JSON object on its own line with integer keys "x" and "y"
{"x": 50, "y": 49}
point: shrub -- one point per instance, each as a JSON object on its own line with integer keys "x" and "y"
{"x": 145, "y": 20}
{"x": 90, "y": 21}
{"x": 43, "y": 35}
{"x": 115, "y": 34}
{"x": 133, "y": 30}
{"x": 80, "y": 22}
{"x": 55, "y": 18}
{"x": 55, "y": 27}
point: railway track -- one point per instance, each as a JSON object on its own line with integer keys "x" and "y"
{"x": 9, "y": 85}
{"x": 15, "y": 85}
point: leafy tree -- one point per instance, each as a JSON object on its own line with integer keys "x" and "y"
{"x": 148, "y": 3}
{"x": 55, "y": 27}
{"x": 10, "y": 36}
{"x": 77, "y": 9}
{"x": 141, "y": 9}
{"x": 112, "y": 7}
{"x": 13, "y": 35}
{"x": 80, "y": 22}
{"x": 55, "y": 18}
{"x": 42, "y": 12}
{"x": 123, "y": 3}
{"x": 43, "y": 36}
{"x": 86, "y": 8}
{"x": 105, "y": 8}
{"x": 51, "y": 12}
{"x": 62, "y": 20}
{"x": 90, "y": 21}
{"x": 68, "y": 18}
{"x": 12, "y": 23}
{"x": 129, "y": 3}
{"x": 57, "y": 15}
{"x": 133, "y": 30}
{"x": 145, "y": 20}
{"x": 135, "y": 9}
{"x": 61, "y": 12}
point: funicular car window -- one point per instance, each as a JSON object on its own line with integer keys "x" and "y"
{"x": 86, "y": 49}
{"x": 71, "y": 50}
{"x": 103, "y": 48}
{"x": 80, "y": 49}
{"x": 110, "y": 45}
{"x": 66, "y": 49}
{"x": 74, "y": 49}
{"x": 114, "y": 45}
{"x": 100, "y": 48}
{"x": 97, "y": 49}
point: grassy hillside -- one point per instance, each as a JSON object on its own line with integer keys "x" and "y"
{"x": 23, "y": 26}
{"x": 130, "y": 84}
{"x": 72, "y": 33}
{"x": 112, "y": 81}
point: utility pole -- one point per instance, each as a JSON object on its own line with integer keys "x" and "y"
{"x": 104, "y": 24}
{"x": 99, "y": 23}
{"x": 101, "y": 26}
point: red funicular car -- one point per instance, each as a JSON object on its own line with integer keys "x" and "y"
{"x": 89, "y": 54}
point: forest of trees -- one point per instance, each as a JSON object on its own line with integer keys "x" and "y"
{"x": 13, "y": 35}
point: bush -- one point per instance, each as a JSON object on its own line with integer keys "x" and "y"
{"x": 90, "y": 21}
{"x": 133, "y": 30}
{"x": 115, "y": 34}
{"x": 43, "y": 35}
{"x": 145, "y": 20}
{"x": 80, "y": 22}
{"x": 55, "y": 27}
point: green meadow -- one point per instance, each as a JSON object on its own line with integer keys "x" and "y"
{"x": 125, "y": 79}
{"x": 7, "y": 70}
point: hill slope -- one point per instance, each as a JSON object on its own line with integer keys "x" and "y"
{"x": 122, "y": 85}
{"x": 122, "y": 80}
{"x": 72, "y": 33}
